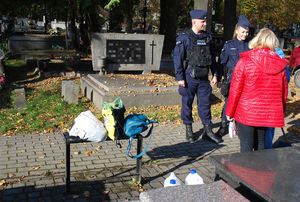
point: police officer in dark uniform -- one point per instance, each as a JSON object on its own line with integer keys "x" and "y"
{"x": 229, "y": 57}
{"x": 193, "y": 57}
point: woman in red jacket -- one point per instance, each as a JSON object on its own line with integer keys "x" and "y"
{"x": 258, "y": 91}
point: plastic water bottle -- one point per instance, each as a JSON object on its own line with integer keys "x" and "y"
{"x": 231, "y": 129}
{"x": 193, "y": 178}
{"x": 172, "y": 180}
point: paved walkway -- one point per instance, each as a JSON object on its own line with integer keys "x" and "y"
{"x": 33, "y": 166}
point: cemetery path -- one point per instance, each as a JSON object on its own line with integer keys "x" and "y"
{"x": 33, "y": 165}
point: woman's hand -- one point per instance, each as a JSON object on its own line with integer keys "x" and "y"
{"x": 229, "y": 118}
{"x": 213, "y": 81}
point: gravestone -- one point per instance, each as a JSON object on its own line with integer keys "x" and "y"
{"x": 20, "y": 100}
{"x": 134, "y": 90}
{"x": 33, "y": 42}
{"x": 270, "y": 174}
{"x": 116, "y": 52}
{"x": 70, "y": 91}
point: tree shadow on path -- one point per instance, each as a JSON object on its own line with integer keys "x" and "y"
{"x": 193, "y": 153}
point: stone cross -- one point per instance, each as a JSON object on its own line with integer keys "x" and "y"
{"x": 152, "y": 45}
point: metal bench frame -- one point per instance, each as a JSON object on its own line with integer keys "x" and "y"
{"x": 73, "y": 140}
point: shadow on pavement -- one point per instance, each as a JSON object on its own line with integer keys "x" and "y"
{"x": 194, "y": 152}
{"x": 289, "y": 137}
{"x": 80, "y": 191}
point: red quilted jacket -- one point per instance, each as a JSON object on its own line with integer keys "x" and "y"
{"x": 258, "y": 89}
{"x": 295, "y": 57}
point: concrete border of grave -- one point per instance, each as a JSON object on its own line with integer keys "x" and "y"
{"x": 117, "y": 51}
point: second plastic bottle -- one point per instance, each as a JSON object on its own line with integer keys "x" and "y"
{"x": 193, "y": 178}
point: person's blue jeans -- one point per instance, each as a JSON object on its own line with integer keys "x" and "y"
{"x": 269, "y": 135}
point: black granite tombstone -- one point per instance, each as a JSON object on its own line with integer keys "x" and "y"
{"x": 271, "y": 174}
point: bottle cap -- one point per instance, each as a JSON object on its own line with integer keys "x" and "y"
{"x": 193, "y": 171}
{"x": 172, "y": 181}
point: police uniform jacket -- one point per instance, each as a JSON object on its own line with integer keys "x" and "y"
{"x": 258, "y": 90}
{"x": 184, "y": 43}
{"x": 231, "y": 52}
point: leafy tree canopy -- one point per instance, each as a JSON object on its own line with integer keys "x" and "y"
{"x": 280, "y": 13}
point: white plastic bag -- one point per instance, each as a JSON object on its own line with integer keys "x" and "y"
{"x": 88, "y": 127}
{"x": 232, "y": 129}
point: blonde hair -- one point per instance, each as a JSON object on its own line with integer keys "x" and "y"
{"x": 234, "y": 32}
{"x": 265, "y": 38}
{"x": 237, "y": 26}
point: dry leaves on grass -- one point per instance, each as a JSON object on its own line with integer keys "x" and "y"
{"x": 158, "y": 80}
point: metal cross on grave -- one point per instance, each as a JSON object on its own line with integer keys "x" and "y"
{"x": 152, "y": 45}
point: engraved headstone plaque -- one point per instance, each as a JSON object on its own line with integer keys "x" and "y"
{"x": 125, "y": 51}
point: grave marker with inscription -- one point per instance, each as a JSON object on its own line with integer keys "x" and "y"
{"x": 116, "y": 51}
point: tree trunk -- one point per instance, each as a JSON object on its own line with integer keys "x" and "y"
{"x": 127, "y": 10}
{"x": 116, "y": 19}
{"x": 84, "y": 41}
{"x": 168, "y": 23}
{"x": 74, "y": 32}
{"x": 229, "y": 18}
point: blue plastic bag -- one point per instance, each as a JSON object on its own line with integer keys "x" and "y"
{"x": 134, "y": 125}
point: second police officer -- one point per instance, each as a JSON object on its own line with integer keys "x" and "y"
{"x": 229, "y": 57}
{"x": 193, "y": 57}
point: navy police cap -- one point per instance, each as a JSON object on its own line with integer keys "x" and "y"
{"x": 243, "y": 22}
{"x": 198, "y": 14}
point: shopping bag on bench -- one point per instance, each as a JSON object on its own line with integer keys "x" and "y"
{"x": 88, "y": 127}
{"x": 134, "y": 125}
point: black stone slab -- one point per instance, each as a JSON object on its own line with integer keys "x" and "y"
{"x": 125, "y": 51}
{"x": 272, "y": 174}
{"x": 216, "y": 191}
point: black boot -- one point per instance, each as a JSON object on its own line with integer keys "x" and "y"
{"x": 223, "y": 130}
{"x": 189, "y": 134}
{"x": 210, "y": 134}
